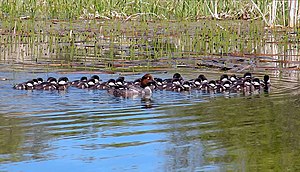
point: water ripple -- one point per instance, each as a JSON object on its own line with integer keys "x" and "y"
{"x": 175, "y": 131}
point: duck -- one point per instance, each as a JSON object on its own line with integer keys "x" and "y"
{"x": 96, "y": 78}
{"x": 111, "y": 83}
{"x": 224, "y": 78}
{"x": 247, "y": 85}
{"x": 266, "y": 83}
{"x": 248, "y": 75}
{"x": 203, "y": 78}
{"x": 147, "y": 84}
{"x": 227, "y": 85}
{"x": 40, "y": 80}
{"x": 187, "y": 86}
{"x": 120, "y": 81}
{"x": 20, "y": 86}
{"x": 76, "y": 82}
{"x": 176, "y": 76}
{"x": 209, "y": 86}
{"x": 159, "y": 83}
{"x": 50, "y": 84}
{"x": 233, "y": 79}
{"x": 28, "y": 85}
{"x": 91, "y": 84}
{"x": 175, "y": 85}
{"x": 198, "y": 82}
{"x": 62, "y": 83}
{"x": 256, "y": 83}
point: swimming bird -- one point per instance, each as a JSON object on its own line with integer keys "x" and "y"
{"x": 62, "y": 83}
{"x": 96, "y": 78}
{"x": 266, "y": 83}
{"x": 50, "y": 84}
{"x": 29, "y": 85}
{"x": 147, "y": 84}
{"x": 176, "y": 76}
{"x": 76, "y": 82}
{"x": 111, "y": 83}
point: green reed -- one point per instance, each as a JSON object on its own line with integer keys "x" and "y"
{"x": 128, "y": 45}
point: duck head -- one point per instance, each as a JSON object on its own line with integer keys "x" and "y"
{"x": 247, "y": 75}
{"x": 227, "y": 84}
{"x": 202, "y": 78}
{"x": 91, "y": 82}
{"x": 146, "y": 80}
{"x": 158, "y": 81}
{"x": 83, "y": 79}
{"x": 96, "y": 78}
{"x": 52, "y": 80}
{"x": 224, "y": 78}
{"x": 40, "y": 80}
{"x": 233, "y": 78}
{"x": 63, "y": 81}
{"x": 120, "y": 81}
{"x": 256, "y": 82}
{"x": 177, "y": 76}
{"x": 35, "y": 82}
{"x": 111, "y": 83}
{"x": 267, "y": 79}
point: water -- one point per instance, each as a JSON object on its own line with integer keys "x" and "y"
{"x": 84, "y": 130}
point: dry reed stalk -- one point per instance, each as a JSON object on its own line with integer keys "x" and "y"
{"x": 293, "y": 9}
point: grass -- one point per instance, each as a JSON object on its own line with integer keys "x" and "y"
{"x": 190, "y": 10}
{"x": 121, "y": 45}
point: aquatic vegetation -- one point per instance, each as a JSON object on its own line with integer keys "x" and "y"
{"x": 137, "y": 35}
{"x": 138, "y": 46}
{"x": 272, "y": 12}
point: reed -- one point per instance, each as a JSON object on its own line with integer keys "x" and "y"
{"x": 273, "y": 12}
{"x": 142, "y": 34}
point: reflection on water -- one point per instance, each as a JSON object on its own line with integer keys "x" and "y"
{"x": 82, "y": 130}
{"x": 129, "y": 46}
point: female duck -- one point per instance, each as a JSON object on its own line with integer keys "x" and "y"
{"x": 144, "y": 90}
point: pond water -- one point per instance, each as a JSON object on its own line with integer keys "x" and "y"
{"x": 84, "y": 130}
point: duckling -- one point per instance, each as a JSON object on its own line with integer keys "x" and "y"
{"x": 176, "y": 76}
{"x": 29, "y": 85}
{"x": 186, "y": 86}
{"x": 159, "y": 83}
{"x": 76, "y": 82}
{"x": 227, "y": 85}
{"x": 203, "y": 78}
{"x": 266, "y": 83}
{"x": 247, "y": 75}
{"x": 247, "y": 85}
{"x": 120, "y": 81}
{"x": 50, "y": 84}
{"x": 62, "y": 83}
{"x": 91, "y": 83}
{"x": 224, "y": 78}
{"x": 111, "y": 83}
{"x": 256, "y": 83}
{"x": 96, "y": 78}
{"x": 175, "y": 85}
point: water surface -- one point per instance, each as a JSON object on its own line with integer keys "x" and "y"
{"x": 90, "y": 130}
